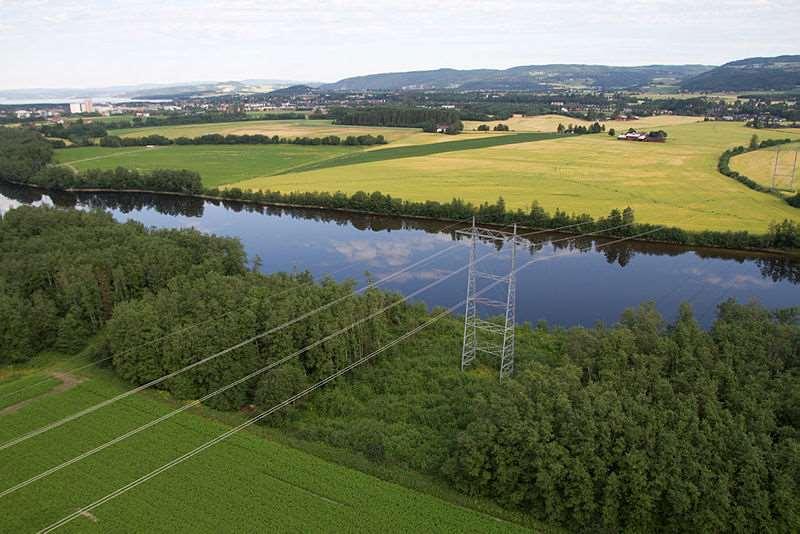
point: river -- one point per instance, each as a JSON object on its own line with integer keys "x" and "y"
{"x": 571, "y": 282}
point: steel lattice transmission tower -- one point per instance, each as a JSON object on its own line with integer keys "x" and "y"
{"x": 779, "y": 173}
{"x": 486, "y": 336}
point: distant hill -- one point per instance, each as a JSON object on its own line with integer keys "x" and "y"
{"x": 753, "y": 74}
{"x": 153, "y": 91}
{"x": 530, "y": 77}
{"x": 294, "y": 90}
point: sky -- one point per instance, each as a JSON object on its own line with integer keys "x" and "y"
{"x": 98, "y": 43}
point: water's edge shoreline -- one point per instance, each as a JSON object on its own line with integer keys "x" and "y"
{"x": 201, "y": 196}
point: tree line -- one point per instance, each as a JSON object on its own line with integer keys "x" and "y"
{"x": 579, "y": 129}
{"x": 723, "y": 166}
{"x": 780, "y": 235}
{"x": 643, "y": 425}
{"x": 429, "y": 119}
{"x": 81, "y": 133}
{"x": 206, "y": 117}
{"x": 497, "y": 128}
{"x": 245, "y": 139}
{"x": 166, "y": 180}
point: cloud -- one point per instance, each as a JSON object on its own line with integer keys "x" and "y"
{"x": 136, "y": 41}
{"x": 383, "y": 253}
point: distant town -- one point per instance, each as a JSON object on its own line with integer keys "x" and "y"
{"x": 759, "y": 110}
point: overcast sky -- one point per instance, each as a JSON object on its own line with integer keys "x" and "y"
{"x": 108, "y": 42}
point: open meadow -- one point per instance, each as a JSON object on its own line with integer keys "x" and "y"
{"x": 549, "y": 123}
{"x": 282, "y": 128}
{"x": 761, "y": 164}
{"x": 248, "y": 483}
{"x": 217, "y": 164}
{"x": 674, "y": 183}
{"x": 225, "y": 164}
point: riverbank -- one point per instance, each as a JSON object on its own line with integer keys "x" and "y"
{"x": 241, "y": 197}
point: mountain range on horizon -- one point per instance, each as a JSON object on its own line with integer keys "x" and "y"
{"x": 758, "y": 73}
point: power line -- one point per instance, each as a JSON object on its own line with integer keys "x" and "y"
{"x": 197, "y": 324}
{"x": 286, "y": 402}
{"x": 228, "y": 313}
{"x": 251, "y": 376}
{"x": 297, "y": 353}
{"x": 257, "y": 373}
{"x": 159, "y": 380}
{"x": 239, "y": 428}
{"x": 238, "y": 382}
{"x": 202, "y": 361}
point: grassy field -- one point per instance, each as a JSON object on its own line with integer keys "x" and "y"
{"x": 245, "y": 484}
{"x": 760, "y": 164}
{"x": 217, "y": 164}
{"x": 454, "y": 144}
{"x": 23, "y": 387}
{"x": 282, "y": 128}
{"x": 674, "y": 183}
{"x": 549, "y": 123}
{"x": 225, "y": 164}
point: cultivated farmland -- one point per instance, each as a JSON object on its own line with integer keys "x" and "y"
{"x": 247, "y": 483}
{"x": 549, "y": 123}
{"x": 674, "y": 183}
{"x": 217, "y": 164}
{"x": 282, "y": 128}
{"x": 759, "y": 165}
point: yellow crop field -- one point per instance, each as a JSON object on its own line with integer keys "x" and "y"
{"x": 674, "y": 183}
{"x": 549, "y": 123}
{"x": 282, "y": 128}
{"x": 761, "y": 164}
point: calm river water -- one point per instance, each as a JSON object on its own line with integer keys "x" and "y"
{"x": 583, "y": 285}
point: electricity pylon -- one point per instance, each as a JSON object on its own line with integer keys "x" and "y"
{"x": 790, "y": 175}
{"x": 495, "y": 339}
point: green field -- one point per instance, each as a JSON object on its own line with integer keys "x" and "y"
{"x": 282, "y": 128}
{"x": 420, "y": 150}
{"x": 22, "y": 387}
{"x": 759, "y": 165}
{"x": 246, "y": 484}
{"x": 217, "y": 164}
{"x": 225, "y": 164}
{"x": 675, "y": 183}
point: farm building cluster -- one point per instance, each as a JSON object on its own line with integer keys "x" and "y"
{"x": 649, "y": 137}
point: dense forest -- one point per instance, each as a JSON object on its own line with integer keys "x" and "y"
{"x": 639, "y": 426}
{"x": 63, "y": 271}
{"x": 23, "y": 153}
{"x": 403, "y": 116}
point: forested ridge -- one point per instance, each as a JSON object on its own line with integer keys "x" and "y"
{"x": 639, "y": 426}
